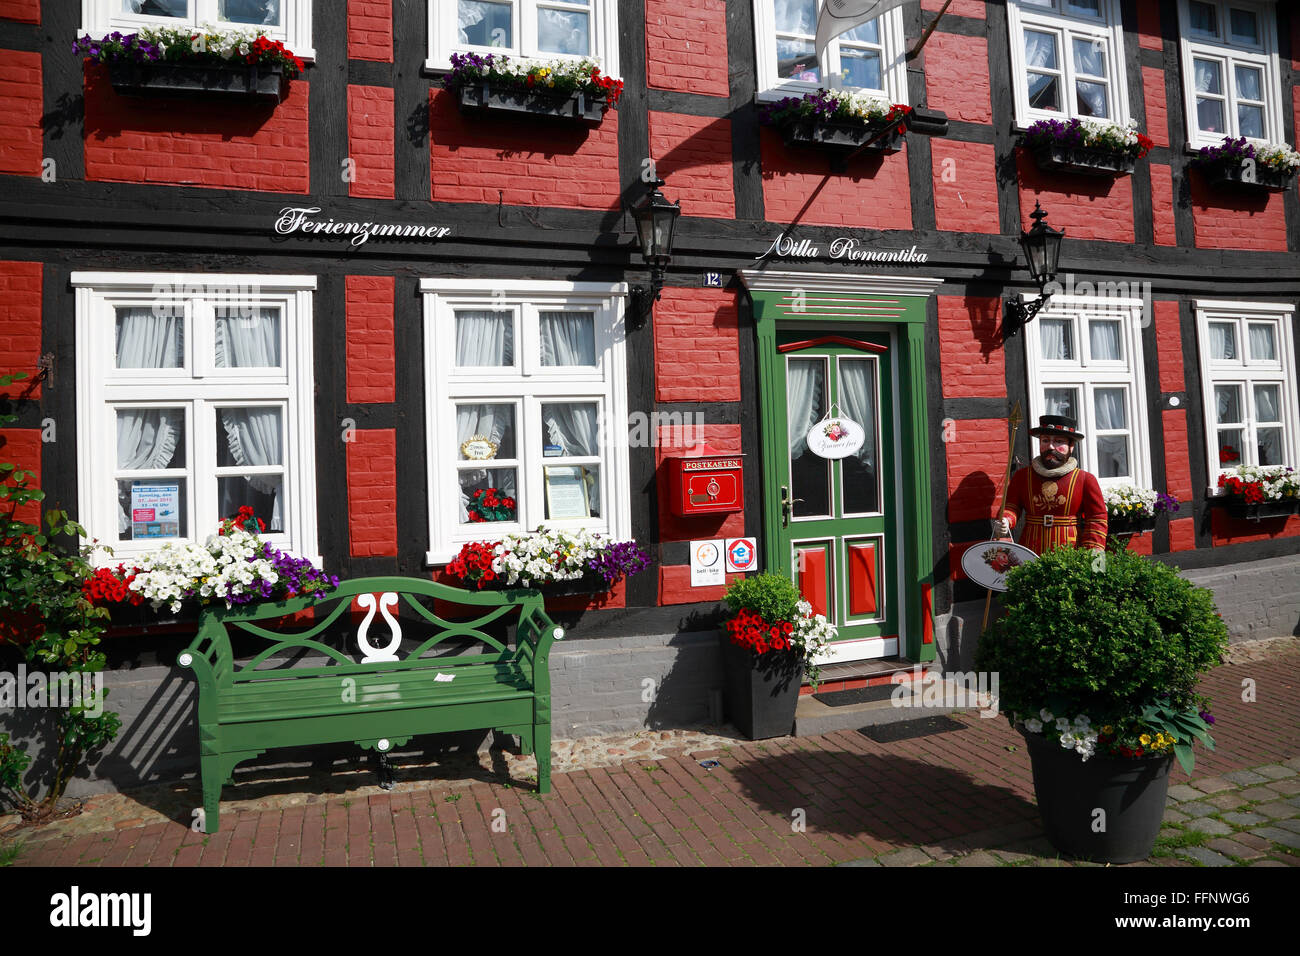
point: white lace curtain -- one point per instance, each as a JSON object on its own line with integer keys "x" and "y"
{"x": 1263, "y": 345}
{"x": 1104, "y": 339}
{"x": 1054, "y": 334}
{"x": 858, "y": 402}
{"x": 485, "y": 339}
{"x": 575, "y": 428}
{"x": 805, "y": 384}
{"x": 568, "y": 338}
{"x": 246, "y": 341}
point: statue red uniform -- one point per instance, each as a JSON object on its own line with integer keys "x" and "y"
{"x": 1062, "y": 504}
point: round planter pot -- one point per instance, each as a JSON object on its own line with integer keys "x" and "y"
{"x": 1070, "y": 791}
{"x": 762, "y": 690}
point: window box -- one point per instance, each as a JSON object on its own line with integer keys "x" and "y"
{"x": 1263, "y": 511}
{"x": 847, "y": 136}
{"x": 576, "y": 106}
{"x": 1246, "y": 177}
{"x": 1083, "y": 160}
{"x": 1140, "y": 524}
{"x": 589, "y": 583}
{"x": 265, "y": 82}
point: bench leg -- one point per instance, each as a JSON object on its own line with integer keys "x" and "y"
{"x": 384, "y": 770}
{"x": 213, "y": 777}
{"x": 542, "y": 740}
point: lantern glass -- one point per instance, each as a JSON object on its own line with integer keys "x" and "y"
{"x": 1042, "y": 247}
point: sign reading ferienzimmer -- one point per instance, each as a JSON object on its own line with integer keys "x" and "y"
{"x": 301, "y": 219}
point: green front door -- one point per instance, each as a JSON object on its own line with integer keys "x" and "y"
{"x": 838, "y": 516}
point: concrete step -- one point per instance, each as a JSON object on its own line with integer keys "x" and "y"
{"x": 812, "y": 717}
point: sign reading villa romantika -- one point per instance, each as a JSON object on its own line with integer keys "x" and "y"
{"x": 842, "y": 247}
{"x": 303, "y": 219}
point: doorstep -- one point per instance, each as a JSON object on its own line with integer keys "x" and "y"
{"x": 813, "y": 718}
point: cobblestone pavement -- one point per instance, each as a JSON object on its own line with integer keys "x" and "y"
{"x": 685, "y": 798}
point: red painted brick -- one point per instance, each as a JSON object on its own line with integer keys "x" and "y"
{"x": 965, "y": 186}
{"x": 521, "y": 161}
{"x": 1178, "y": 469}
{"x": 21, "y": 105}
{"x": 20, "y": 322}
{"x": 977, "y": 463}
{"x": 693, "y": 155}
{"x": 1141, "y": 544}
{"x": 22, "y": 446}
{"x": 675, "y": 586}
{"x": 955, "y": 552}
{"x": 370, "y": 30}
{"x": 673, "y": 441}
{"x": 1153, "y": 91}
{"x": 221, "y": 146}
{"x": 372, "y": 493}
{"x": 370, "y": 348}
{"x": 970, "y": 349}
{"x": 1086, "y": 207}
{"x": 370, "y": 141}
{"x": 686, "y": 46}
{"x": 959, "y": 8}
{"x": 1226, "y": 220}
{"x": 697, "y": 355}
{"x": 1148, "y": 26}
{"x": 1225, "y": 530}
{"x": 957, "y": 77}
{"x": 1162, "y": 205}
{"x": 873, "y": 193}
{"x": 1182, "y": 534}
{"x": 26, "y": 11}
{"x": 1169, "y": 346}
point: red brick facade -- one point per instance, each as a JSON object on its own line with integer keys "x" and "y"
{"x": 370, "y": 30}
{"x": 970, "y": 347}
{"x": 673, "y": 441}
{"x": 26, "y": 11}
{"x": 957, "y": 77}
{"x": 372, "y": 493}
{"x": 1224, "y": 221}
{"x": 20, "y": 322}
{"x": 873, "y": 193}
{"x": 20, "y": 120}
{"x": 370, "y": 354}
{"x": 370, "y": 141}
{"x": 965, "y": 186}
{"x": 695, "y": 346}
{"x": 696, "y": 152}
{"x": 686, "y": 46}
{"x": 1086, "y": 207}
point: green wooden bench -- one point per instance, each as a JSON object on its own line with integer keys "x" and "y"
{"x": 378, "y": 701}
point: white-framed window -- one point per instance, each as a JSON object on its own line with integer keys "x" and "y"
{"x": 1231, "y": 74}
{"x": 194, "y": 398}
{"x": 288, "y": 21}
{"x": 1248, "y": 385}
{"x": 526, "y": 394}
{"x": 533, "y": 29}
{"x": 869, "y": 57}
{"x": 1067, "y": 60}
{"x": 1084, "y": 359}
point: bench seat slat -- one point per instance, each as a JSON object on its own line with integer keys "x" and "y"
{"x": 413, "y": 701}
{"x": 314, "y": 693}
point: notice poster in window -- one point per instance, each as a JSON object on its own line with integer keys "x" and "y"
{"x": 155, "y": 511}
{"x": 566, "y": 492}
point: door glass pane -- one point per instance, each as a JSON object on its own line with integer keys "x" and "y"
{"x": 564, "y": 31}
{"x": 810, "y": 474}
{"x": 263, "y": 493}
{"x": 496, "y": 498}
{"x": 150, "y": 438}
{"x": 1230, "y": 445}
{"x": 1270, "y": 446}
{"x": 1263, "y": 342}
{"x": 1104, "y": 339}
{"x": 249, "y": 436}
{"x": 485, "y": 339}
{"x": 1223, "y": 341}
{"x": 483, "y": 23}
{"x": 1112, "y": 456}
{"x": 157, "y": 8}
{"x": 264, "y": 13}
{"x": 487, "y": 422}
{"x": 250, "y": 340}
{"x": 861, "y": 475}
{"x": 1056, "y": 336}
{"x": 1061, "y": 401}
{"x": 1227, "y": 401}
{"x": 152, "y": 509}
{"x": 568, "y": 338}
{"x": 146, "y": 339}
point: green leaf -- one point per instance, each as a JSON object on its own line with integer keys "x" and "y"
{"x": 1183, "y": 751}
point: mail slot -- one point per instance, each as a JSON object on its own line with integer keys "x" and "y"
{"x": 707, "y": 485}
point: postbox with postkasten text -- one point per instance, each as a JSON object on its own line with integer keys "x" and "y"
{"x": 706, "y": 483}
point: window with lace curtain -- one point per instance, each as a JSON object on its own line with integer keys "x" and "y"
{"x": 1248, "y": 380}
{"x": 194, "y": 400}
{"x": 1084, "y": 360}
{"x": 533, "y": 29}
{"x": 288, "y": 21}
{"x": 1067, "y": 60}
{"x": 527, "y": 409}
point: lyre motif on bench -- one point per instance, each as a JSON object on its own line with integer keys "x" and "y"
{"x": 370, "y": 653}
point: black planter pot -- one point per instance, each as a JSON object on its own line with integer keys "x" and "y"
{"x": 589, "y": 583}
{"x": 1070, "y": 791}
{"x": 840, "y": 136}
{"x": 264, "y": 83}
{"x": 1245, "y": 177}
{"x": 1083, "y": 160}
{"x": 762, "y": 691}
{"x": 1263, "y": 511}
{"x": 576, "y": 106}
{"x": 1130, "y": 525}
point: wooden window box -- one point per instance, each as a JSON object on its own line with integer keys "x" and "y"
{"x": 1239, "y": 177}
{"x": 1131, "y": 525}
{"x": 262, "y": 82}
{"x": 1083, "y": 160}
{"x": 808, "y": 132}
{"x": 576, "y": 106}
{"x": 1262, "y": 511}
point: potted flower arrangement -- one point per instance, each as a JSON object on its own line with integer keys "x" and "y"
{"x": 1086, "y": 147}
{"x": 568, "y": 89}
{"x": 1098, "y": 658}
{"x": 838, "y": 118}
{"x": 491, "y": 504}
{"x": 1255, "y": 492}
{"x": 1243, "y": 165}
{"x": 770, "y": 642}
{"x": 1131, "y": 510}
{"x": 171, "y": 62}
{"x": 559, "y": 562}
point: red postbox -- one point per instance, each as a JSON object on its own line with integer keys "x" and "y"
{"x": 706, "y": 483}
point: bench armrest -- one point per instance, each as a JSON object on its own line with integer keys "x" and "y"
{"x": 208, "y": 656}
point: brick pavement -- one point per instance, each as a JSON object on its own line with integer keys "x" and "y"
{"x": 960, "y": 798}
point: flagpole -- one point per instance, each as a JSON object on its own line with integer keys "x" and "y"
{"x": 1002, "y": 506}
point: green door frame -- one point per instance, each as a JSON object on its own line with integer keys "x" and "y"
{"x": 821, "y": 301}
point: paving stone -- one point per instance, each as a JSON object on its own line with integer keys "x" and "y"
{"x": 908, "y": 856}
{"x": 1290, "y": 787}
{"x": 859, "y": 863}
{"x": 1275, "y": 771}
{"x": 937, "y": 853}
{"x": 1294, "y": 801}
{"x": 1213, "y": 784}
{"x": 1258, "y": 794}
{"x": 1206, "y": 857}
{"x": 1181, "y": 791}
{"x": 1244, "y": 778}
{"x": 1277, "y": 835}
{"x": 1293, "y": 825}
{"x": 1198, "y": 808}
{"x": 1173, "y": 816}
{"x": 1252, "y": 841}
{"x": 1209, "y": 825}
{"x": 1233, "y": 848}
{"x": 1010, "y": 856}
{"x": 1293, "y": 764}
{"x": 978, "y": 858}
{"x": 1226, "y": 801}
{"x": 1278, "y": 810}
{"x": 1244, "y": 819}
{"x": 1268, "y": 863}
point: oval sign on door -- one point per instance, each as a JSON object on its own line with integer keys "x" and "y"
{"x": 836, "y": 437}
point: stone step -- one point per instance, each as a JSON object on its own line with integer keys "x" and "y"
{"x": 812, "y": 717}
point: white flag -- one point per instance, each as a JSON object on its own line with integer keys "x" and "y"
{"x": 841, "y": 16}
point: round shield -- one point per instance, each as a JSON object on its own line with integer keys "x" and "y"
{"x": 988, "y": 562}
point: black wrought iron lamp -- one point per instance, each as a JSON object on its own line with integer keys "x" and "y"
{"x": 1042, "y": 246}
{"x": 656, "y": 220}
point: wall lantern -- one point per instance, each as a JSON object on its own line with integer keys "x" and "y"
{"x": 1042, "y": 246}
{"x": 656, "y": 220}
